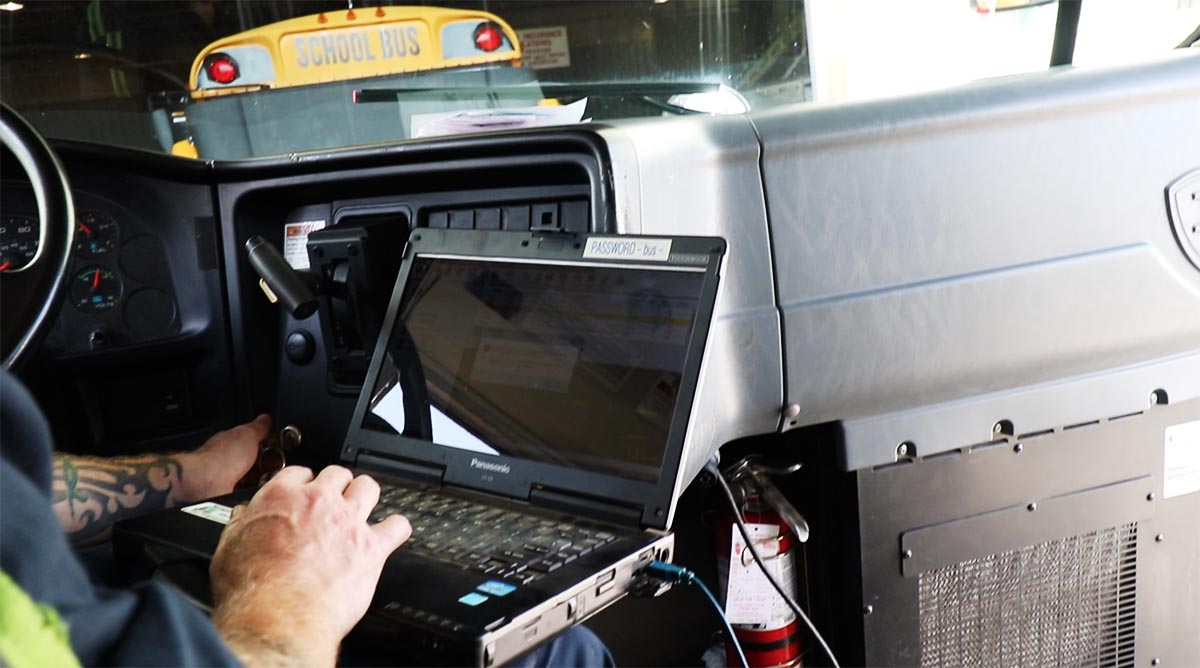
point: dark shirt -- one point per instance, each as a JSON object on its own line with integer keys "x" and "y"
{"x": 148, "y": 624}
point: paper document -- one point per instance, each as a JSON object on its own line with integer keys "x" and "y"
{"x": 484, "y": 120}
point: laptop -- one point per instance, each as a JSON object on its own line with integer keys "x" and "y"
{"x": 527, "y": 407}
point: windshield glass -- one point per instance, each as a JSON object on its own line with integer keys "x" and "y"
{"x": 233, "y": 79}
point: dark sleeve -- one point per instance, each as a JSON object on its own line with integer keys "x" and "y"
{"x": 147, "y": 625}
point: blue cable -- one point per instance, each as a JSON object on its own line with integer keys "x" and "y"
{"x": 673, "y": 573}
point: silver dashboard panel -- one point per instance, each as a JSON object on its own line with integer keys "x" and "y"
{"x": 945, "y": 261}
{"x": 996, "y": 252}
{"x": 700, "y": 176}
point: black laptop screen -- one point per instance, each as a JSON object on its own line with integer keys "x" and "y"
{"x": 575, "y": 365}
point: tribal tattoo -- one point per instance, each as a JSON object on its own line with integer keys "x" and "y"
{"x": 89, "y": 495}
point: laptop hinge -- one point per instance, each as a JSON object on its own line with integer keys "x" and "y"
{"x": 404, "y": 468}
{"x": 586, "y": 506}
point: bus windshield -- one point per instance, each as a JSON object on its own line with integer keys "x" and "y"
{"x": 237, "y": 79}
{"x": 299, "y": 83}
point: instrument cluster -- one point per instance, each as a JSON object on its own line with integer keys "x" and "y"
{"x": 120, "y": 290}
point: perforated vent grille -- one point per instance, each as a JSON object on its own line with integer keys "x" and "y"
{"x": 1066, "y": 602}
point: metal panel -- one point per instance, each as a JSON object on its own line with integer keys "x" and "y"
{"x": 951, "y": 509}
{"x": 956, "y": 541}
{"x": 982, "y": 241}
{"x": 1037, "y": 408}
{"x": 1063, "y": 602}
{"x": 700, "y": 176}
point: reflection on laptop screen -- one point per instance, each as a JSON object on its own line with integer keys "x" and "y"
{"x": 574, "y": 365}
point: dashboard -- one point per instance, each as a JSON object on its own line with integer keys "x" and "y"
{"x": 817, "y": 271}
{"x": 906, "y": 279}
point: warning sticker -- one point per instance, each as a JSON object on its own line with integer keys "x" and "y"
{"x": 210, "y": 511}
{"x": 1181, "y": 459}
{"x": 750, "y": 598}
{"x": 295, "y": 241}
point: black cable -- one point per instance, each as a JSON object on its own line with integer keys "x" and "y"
{"x": 711, "y": 467}
{"x": 1062, "y": 52}
{"x": 673, "y": 573}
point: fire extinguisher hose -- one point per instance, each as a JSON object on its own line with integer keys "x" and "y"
{"x": 712, "y": 468}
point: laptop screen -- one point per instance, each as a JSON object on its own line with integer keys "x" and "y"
{"x": 577, "y": 365}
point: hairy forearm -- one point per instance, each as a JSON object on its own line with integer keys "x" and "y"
{"x": 255, "y": 650}
{"x": 274, "y": 632}
{"x": 90, "y": 494}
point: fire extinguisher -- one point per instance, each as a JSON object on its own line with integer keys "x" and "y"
{"x": 763, "y": 623}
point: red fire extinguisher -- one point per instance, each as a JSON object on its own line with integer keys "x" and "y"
{"x": 764, "y": 624}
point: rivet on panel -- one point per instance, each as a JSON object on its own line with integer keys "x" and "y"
{"x": 868, "y": 609}
{"x": 907, "y": 554}
{"x": 1031, "y": 507}
{"x": 1159, "y": 538}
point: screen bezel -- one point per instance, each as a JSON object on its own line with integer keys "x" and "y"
{"x": 650, "y": 500}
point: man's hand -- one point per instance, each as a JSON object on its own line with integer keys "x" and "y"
{"x": 296, "y": 568}
{"x": 215, "y": 467}
{"x": 90, "y": 494}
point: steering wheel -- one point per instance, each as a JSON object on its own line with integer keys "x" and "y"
{"x": 31, "y": 296}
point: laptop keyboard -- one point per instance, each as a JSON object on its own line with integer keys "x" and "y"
{"x": 510, "y": 544}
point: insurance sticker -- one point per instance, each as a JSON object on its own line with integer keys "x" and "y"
{"x": 1181, "y": 459}
{"x": 210, "y": 511}
{"x": 624, "y": 248}
{"x": 295, "y": 241}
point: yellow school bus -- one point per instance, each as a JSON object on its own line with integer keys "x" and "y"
{"x": 305, "y": 70}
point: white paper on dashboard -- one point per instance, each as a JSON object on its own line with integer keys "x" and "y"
{"x": 484, "y": 120}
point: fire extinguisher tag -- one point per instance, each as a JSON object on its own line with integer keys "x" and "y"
{"x": 750, "y": 598}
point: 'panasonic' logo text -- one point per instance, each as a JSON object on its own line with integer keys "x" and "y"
{"x": 491, "y": 466}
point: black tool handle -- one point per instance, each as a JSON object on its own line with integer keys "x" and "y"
{"x": 279, "y": 276}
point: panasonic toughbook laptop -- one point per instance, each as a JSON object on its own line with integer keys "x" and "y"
{"x": 526, "y": 407}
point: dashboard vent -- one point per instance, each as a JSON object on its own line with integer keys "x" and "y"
{"x": 1065, "y": 602}
{"x": 548, "y": 216}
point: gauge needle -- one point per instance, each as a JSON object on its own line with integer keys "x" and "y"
{"x": 6, "y": 265}
{"x": 86, "y": 230}
{"x": 96, "y": 280}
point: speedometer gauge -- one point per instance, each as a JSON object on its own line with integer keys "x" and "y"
{"x": 18, "y": 241}
{"x": 96, "y": 233}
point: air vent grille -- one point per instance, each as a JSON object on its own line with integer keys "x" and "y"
{"x": 1065, "y": 602}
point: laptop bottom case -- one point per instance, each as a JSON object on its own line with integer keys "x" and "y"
{"x": 425, "y": 611}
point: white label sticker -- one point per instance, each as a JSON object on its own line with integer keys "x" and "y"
{"x": 621, "y": 248}
{"x": 295, "y": 241}
{"x": 210, "y": 511}
{"x": 750, "y": 598}
{"x": 1181, "y": 459}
